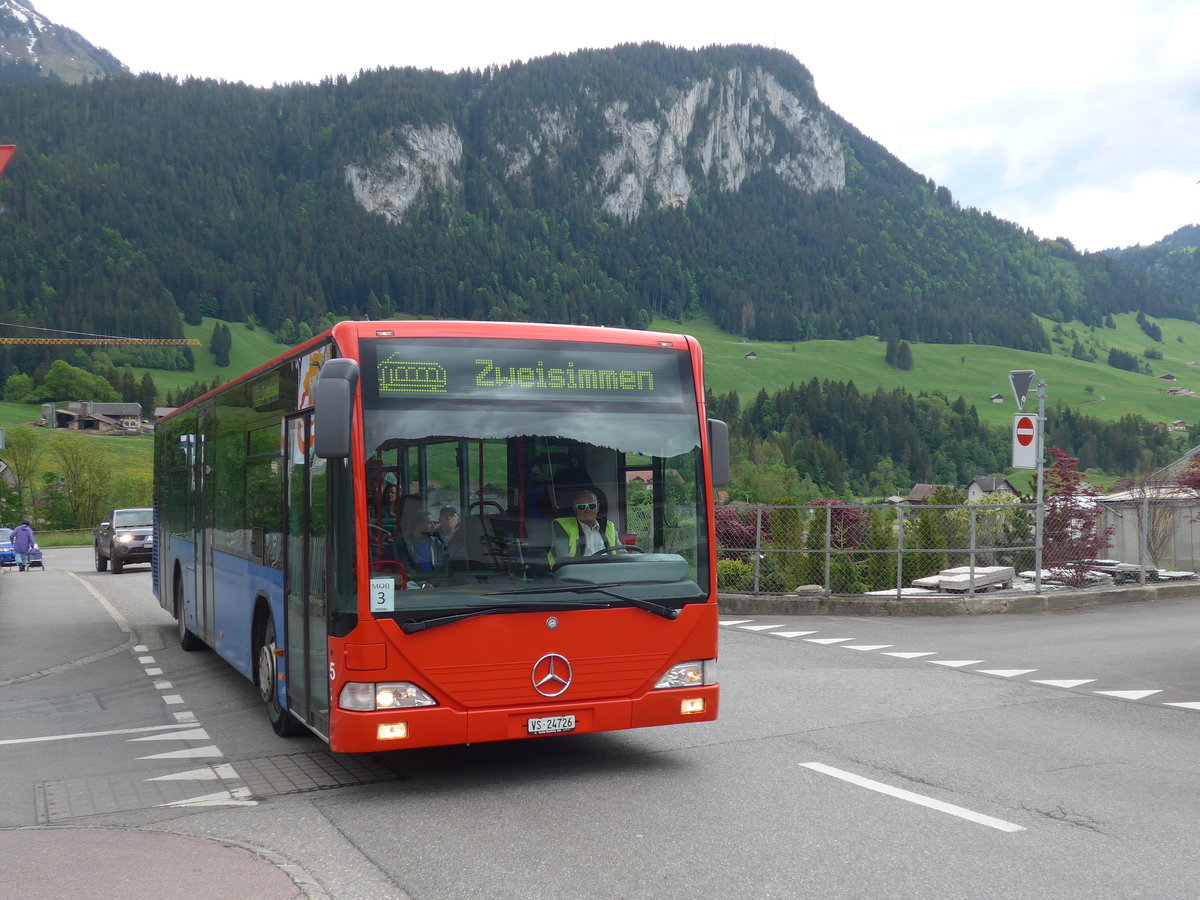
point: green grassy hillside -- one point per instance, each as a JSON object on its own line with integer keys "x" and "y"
{"x": 972, "y": 371}
{"x": 251, "y": 348}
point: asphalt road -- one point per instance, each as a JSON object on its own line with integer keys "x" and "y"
{"x": 835, "y": 770}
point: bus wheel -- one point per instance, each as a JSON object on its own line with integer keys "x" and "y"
{"x": 282, "y": 721}
{"x": 101, "y": 561}
{"x": 187, "y": 640}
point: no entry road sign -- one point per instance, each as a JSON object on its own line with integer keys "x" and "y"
{"x": 1025, "y": 443}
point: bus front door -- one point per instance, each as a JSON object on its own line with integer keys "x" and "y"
{"x": 306, "y": 629}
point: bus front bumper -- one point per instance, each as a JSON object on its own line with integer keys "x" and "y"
{"x": 436, "y": 726}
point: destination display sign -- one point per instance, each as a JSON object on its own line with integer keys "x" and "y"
{"x": 447, "y": 370}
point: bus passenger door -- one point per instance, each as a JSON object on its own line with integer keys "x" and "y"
{"x": 206, "y": 430}
{"x": 306, "y": 632}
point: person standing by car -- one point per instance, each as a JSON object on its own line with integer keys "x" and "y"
{"x": 22, "y": 541}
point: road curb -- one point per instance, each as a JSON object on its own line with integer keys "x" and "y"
{"x": 989, "y": 603}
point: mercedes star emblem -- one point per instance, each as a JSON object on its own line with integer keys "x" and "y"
{"x": 551, "y": 675}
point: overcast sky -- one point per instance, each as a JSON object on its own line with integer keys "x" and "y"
{"x": 1069, "y": 117}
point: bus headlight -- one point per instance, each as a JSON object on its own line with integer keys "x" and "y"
{"x": 367, "y": 696}
{"x": 689, "y": 674}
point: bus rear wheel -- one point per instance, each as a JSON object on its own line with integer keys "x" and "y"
{"x": 187, "y": 640}
{"x": 282, "y": 721}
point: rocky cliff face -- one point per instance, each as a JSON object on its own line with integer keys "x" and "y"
{"x": 710, "y": 135}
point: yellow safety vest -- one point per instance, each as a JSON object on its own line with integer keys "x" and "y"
{"x": 571, "y": 528}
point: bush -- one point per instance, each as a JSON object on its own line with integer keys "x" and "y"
{"x": 734, "y": 575}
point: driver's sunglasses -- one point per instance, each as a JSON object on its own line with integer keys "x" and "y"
{"x": 582, "y": 506}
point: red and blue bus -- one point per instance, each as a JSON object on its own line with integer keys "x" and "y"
{"x": 297, "y": 505}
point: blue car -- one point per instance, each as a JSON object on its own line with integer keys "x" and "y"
{"x": 8, "y": 556}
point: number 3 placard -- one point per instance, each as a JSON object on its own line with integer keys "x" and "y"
{"x": 383, "y": 594}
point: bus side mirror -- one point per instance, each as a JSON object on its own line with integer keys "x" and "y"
{"x": 333, "y": 398}
{"x": 718, "y": 451}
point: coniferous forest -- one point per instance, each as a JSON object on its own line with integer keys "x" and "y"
{"x": 135, "y": 203}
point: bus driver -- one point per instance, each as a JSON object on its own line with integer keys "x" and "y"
{"x": 585, "y": 533}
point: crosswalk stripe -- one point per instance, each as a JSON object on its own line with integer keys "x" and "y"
{"x": 1005, "y": 673}
{"x": 1063, "y": 683}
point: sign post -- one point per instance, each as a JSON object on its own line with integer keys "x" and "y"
{"x": 1029, "y": 452}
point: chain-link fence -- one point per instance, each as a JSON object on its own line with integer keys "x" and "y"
{"x": 905, "y": 549}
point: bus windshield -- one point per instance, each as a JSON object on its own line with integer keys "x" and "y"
{"x": 519, "y": 475}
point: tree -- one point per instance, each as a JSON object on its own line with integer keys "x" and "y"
{"x": 66, "y": 382}
{"x": 23, "y": 453}
{"x": 19, "y": 389}
{"x": 85, "y": 477}
{"x": 904, "y": 357}
{"x": 147, "y": 394}
{"x": 1071, "y": 534}
{"x": 221, "y": 343}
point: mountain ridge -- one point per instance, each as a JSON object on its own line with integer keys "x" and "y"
{"x": 600, "y": 186}
{"x": 33, "y": 47}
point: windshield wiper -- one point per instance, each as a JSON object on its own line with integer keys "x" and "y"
{"x": 667, "y": 612}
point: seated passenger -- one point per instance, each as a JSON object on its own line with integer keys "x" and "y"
{"x": 584, "y": 533}
{"x": 447, "y": 523}
{"x": 422, "y": 549}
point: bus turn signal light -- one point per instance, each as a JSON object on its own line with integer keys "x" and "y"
{"x": 691, "y": 706}
{"x": 392, "y": 731}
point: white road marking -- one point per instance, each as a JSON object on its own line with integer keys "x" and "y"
{"x": 958, "y": 663}
{"x": 86, "y": 734}
{"x": 236, "y": 797}
{"x": 867, "y": 646}
{"x": 145, "y": 660}
{"x": 920, "y": 800}
{"x": 172, "y": 699}
{"x": 153, "y": 672}
{"x": 222, "y": 772}
{"x": 954, "y": 663}
{"x": 163, "y": 685}
{"x": 108, "y": 607}
{"x": 185, "y": 717}
{"x": 195, "y": 753}
{"x": 191, "y": 734}
{"x": 141, "y": 648}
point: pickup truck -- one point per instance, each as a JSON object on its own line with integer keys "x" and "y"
{"x": 125, "y": 536}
